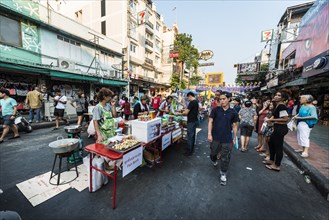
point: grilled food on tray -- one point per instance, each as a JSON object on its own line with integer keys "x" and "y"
{"x": 125, "y": 145}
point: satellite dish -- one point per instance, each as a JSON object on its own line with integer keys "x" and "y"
{"x": 117, "y": 66}
{"x": 65, "y": 64}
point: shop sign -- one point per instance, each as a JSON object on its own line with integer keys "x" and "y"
{"x": 273, "y": 83}
{"x": 207, "y": 64}
{"x": 141, "y": 17}
{"x": 248, "y": 68}
{"x": 248, "y": 78}
{"x": 166, "y": 140}
{"x": 267, "y": 35}
{"x": 132, "y": 160}
{"x": 176, "y": 134}
{"x": 206, "y": 55}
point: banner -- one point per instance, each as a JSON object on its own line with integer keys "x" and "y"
{"x": 267, "y": 35}
{"x": 248, "y": 68}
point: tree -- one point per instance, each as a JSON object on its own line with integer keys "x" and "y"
{"x": 194, "y": 80}
{"x": 187, "y": 54}
{"x": 175, "y": 81}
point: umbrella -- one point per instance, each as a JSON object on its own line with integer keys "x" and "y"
{"x": 207, "y": 93}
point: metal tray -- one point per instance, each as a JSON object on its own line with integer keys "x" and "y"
{"x": 125, "y": 150}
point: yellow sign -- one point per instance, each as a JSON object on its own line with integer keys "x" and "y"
{"x": 214, "y": 79}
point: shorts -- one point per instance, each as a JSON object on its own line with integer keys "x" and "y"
{"x": 246, "y": 130}
{"x": 7, "y": 120}
{"x": 59, "y": 112}
{"x": 80, "y": 113}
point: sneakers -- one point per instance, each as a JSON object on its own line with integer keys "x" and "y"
{"x": 215, "y": 164}
{"x": 223, "y": 179}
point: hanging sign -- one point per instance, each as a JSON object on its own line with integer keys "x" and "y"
{"x": 267, "y": 35}
{"x": 206, "y": 55}
{"x": 141, "y": 17}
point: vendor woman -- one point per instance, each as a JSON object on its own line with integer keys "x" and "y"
{"x": 103, "y": 116}
{"x": 165, "y": 107}
{"x": 141, "y": 107}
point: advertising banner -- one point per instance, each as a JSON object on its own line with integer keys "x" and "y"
{"x": 132, "y": 160}
{"x": 313, "y": 36}
{"x": 214, "y": 78}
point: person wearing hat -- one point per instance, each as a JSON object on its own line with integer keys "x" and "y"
{"x": 248, "y": 117}
{"x": 9, "y": 109}
{"x": 222, "y": 121}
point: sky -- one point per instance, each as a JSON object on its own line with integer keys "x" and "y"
{"x": 231, "y": 29}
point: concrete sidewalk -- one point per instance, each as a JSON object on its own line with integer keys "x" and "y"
{"x": 316, "y": 166}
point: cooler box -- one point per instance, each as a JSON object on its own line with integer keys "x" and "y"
{"x": 146, "y": 131}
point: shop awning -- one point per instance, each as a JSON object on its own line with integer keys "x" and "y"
{"x": 23, "y": 68}
{"x": 112, "y": 82}
{"x": 297, "y": 82}
{"x": 65, "y": 75}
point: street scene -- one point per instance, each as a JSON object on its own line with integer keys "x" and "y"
{"x": 149, "y": 109}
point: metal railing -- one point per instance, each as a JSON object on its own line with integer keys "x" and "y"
{"x": 148, "y": 61}
{"x": 148, "y": 43}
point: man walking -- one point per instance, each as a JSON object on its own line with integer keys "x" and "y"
{"x": 34, "y": 99}
{"x": 9, "y": 110}
{"x": 192, "y": 113}
{"x": 222, "y": 120}
{"x": 60, "y": 102}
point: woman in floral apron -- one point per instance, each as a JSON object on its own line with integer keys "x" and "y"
{"x": 103, "y": 116}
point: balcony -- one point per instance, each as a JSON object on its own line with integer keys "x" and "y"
{"x": 149, "y": 24}
{"x": 148, "y": 43}
{"x": 148, "y": 61}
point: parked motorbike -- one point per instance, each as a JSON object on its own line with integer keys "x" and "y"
{"x": 22, "y": 123}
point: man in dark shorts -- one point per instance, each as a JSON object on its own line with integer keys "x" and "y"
{"x": 60, "y": 102}
{"x": 8, "y": 108}
{"x": 222, "y": 121}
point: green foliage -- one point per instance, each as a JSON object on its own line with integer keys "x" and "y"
{"x": 188, "y": 54}
{"x": 194, "y": 80}
{"x": 174, "y": 80}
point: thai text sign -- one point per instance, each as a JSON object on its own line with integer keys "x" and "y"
{"x": 132, "y": 160}
{"x": 248, "y": 68}
{"x": 267, "y": 35}
{"x": 166, "y": 140}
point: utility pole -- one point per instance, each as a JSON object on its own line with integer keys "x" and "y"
{"x": 98, "y": 67}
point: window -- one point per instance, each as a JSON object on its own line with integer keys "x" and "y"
{"x": 157, "y": 60}
{"x": 132, "y": 4}
{"x": 103, "y": 11}
{"x": 69, "y": 48}
{"x": 148, "y": 36}
{"x": 10, "y": 31}
{"x": 103, "y": 24}
{"x": 157, "y": 26}
{"x": 133, "y": 48}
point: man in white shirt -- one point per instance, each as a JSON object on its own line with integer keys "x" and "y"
{"x": 60, "y": 102}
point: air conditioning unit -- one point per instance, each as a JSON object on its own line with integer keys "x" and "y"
{"x": 112, "y": 73}
{"x": 66, "y": 64}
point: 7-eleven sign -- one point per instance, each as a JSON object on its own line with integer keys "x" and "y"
{"x": 267, "y": 35}
{"x": 141, "y": 17}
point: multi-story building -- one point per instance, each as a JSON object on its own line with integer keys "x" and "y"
{"x": 41, "y": 47}
{"x": 137, "y": 26}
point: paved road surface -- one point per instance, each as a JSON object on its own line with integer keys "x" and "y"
{"x": 183, "y": 188}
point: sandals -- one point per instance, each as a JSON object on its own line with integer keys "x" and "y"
{"x": 271, "y": 167}
{"x": 260, "y": 150}
{"x": 257, "y": 147}
{"x": 304, "y": 155}
{"x": 298, "y": 150}
{"x": 14, "y": 137}
{"x": 267, "y": 162}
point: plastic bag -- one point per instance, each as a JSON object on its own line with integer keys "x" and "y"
{"x": 263, "y": 128}
{"x": 98, "y": 179}
{"x": 292, "y": 125}
{"x": 91, "y": 128}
